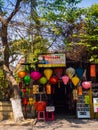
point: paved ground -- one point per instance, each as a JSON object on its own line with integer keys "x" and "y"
{"x": 58, "y": 124}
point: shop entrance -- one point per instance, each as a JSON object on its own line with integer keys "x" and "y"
{"x": 63, "y": 100}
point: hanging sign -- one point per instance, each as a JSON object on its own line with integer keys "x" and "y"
{"x": 95, "y": 104}
{"x": 52, "y": 60}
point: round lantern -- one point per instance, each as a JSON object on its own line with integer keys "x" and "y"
{"x": 75, "y": 80}
{"x": 86, "y": 84}
{"x": 27, "y": 79}
{"x": 65, "y": 79}
{"x": 35, "y": 75}
{"x": 48, "y": 73}
{"x": 43, "y": 80}
{"x": 40, "y": 105}
{"x": 58, "y": 72}
{"x": 21, "y": 74}
{"x": 70, "y": 72}
{"x": 53, "y": 80}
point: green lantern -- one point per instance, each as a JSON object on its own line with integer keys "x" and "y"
{"x": 43, "y": 80}
{"x": 27, "y": 79}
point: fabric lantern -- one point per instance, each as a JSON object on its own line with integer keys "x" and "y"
{"x": 31, "y": 101}
{"x": 21, "y": 74}
{"x": 75, "y": 80}
{"x": 40, "y": 105}
{"x": 65, "y": 79}
{"x": 86, "y": 84}
{"x": 48, "y": 73}
{"x": 70, "y": 72}
{"x": 75, "y": 94}
{"x": 48, "y": 89}
{"x": 58, "y": 72}
{"x": 53, "y": 80}
{"x": 80, "y": 90}
{"x": 43, "y": 80}
{"x": 93, "y": 70}
{"x": 27, "y": 79}
{"x": 79, "y": 72}
{"x": 35, "y": 75}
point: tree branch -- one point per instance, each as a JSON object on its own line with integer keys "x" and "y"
{"x": 14, "y": 11}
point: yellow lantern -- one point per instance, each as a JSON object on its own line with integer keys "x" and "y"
{"x": 75, "y": 80}
{"x": 48, "y": 73}
{"x": 21, "y": 74}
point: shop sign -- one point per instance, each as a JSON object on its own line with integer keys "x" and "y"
{"x": 52, "y": 60}
{"x": 95, "y": 104}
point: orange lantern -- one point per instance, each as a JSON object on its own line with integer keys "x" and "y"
{"x": 21, "y": 74}
{"x": 93, "y": 70}
{"x": 48, "y": 89}
{"x": 80, "y": 90}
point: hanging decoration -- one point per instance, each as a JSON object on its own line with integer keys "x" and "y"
{"x": 21, "y": 74}
{"x": 58, "y": 72}
{"x": 79, "y": 72}
{"x": 48, "y": 73}
{"x": 75, "y": 80}
{"x": 86, "y": 84}
{"x": 65, "y": 79}
{"x": 70, "y": 72}
{"x": 43, "y": 80}
{"x": 80, "y": 90}
{"x": 48, "y": 89}
{"x": 35, "y": 75}
{"x": 27, "y": 79}
{"x": 53, "y": 80}
{"x": 35, "y": 89}
{"x": 92, "y": 70}
{"x": 40, "y": 105}
{"x": 75, "y": 94}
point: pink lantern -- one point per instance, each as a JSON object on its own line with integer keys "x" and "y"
{"x": 35, "y": 75}
{"x": 65, "y": 79}
{"x": 58, "y": 72}
{"x": 86, "y": 84}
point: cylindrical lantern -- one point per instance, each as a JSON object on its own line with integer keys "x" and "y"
{"x": 48, "y": 89}
{"x": 80, "y": 90}
{"x": 21, "y": 74}
{"x": 93, "y": 70}
{"x": 25, "y": 101}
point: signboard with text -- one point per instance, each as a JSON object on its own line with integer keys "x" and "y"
{"x": 52, "y": 60}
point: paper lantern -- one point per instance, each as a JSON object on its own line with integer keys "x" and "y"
{"x": 43, "y": 80}
{"x": 79, "y": 72}
{"x": 58, "y": 72}
{"x": 70, "y": 72}
{"x": 21, "y": 74}
{"x": 80, "y": 90}
{"x": 53, "y": 80}
{"x": 75, "y": 80}
{"x": 35, "y": 75}
{"x": 25, "y": 101}
{"x": 93, "y": 70}
{"x": 48, "y": 73}
{"x": 31, "y": 101}
{"x": 48, "y": 89}
{"x": 86, "y": 84}
{"x": 40, "y": 106}
{"x": 65, "y": 79}
{"x": 27, "y": 79}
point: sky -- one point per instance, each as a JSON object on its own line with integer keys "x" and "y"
{"x": 87, "y": 3}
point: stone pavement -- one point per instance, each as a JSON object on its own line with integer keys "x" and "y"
{"x": 58, "y": 124}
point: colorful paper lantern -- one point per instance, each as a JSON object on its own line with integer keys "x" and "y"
{"x": 48, "y": 73}
{"x": 86, "y": 84}
{"x": 70, "y": 72}
{"x": 93, "y": 70}
{"x": 79, "y": 72}
{"x": 65, "y": 79}
{"x": 53, "y": 80}
{"x": 40, "y": 105}
{"x": 21, "y": 74}
{"x": 35, "y": 75}
{"x": 27, "y": 79}
{"x": 75, "y": 80}
{"x": 58, "y": 72}
{"x": 43, "y": 80}
{"x": 48, "y": 89}
{"x": 80, "y": 90}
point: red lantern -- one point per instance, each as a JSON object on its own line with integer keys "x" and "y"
{"x": 86, "y": 84}
{"x": 93, "y": 70}
{"x": 40, "y": 106}
{"x": 53, "y": 80}
{"x": 58, "y": 72}
{"x": 25, "y": 101}
{"x": 21, "y": 74}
